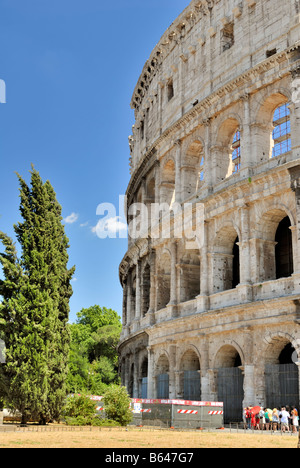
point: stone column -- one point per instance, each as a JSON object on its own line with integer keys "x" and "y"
{"x": 203, "y": 298}
{"x": 295, "y": 186}
{"x": 204, "y": 280}
{"x": 212, "y": 377}
{"x": 151, "y": 381}
{"x": 245, "y": 289}
{"x": 125, "y": 310}
{"x": 152, "y": 301}
{"x": 204, "y": 366}
{"x": 207, "y": 158}
{"x": 178, "y": 159}
{"x": 249, "y": 385}
{"x": 157, "y": 187}
{"x": 127, "y": 371}
{"x": 179, "y": 384}
{"x": 244, "y": 244}
{"x": 172, "y": 373}
{"x": 136, "y": 376}
{"x": 246, "y": 152}
{"x": 129, "y": 299}
{"x": 161, "y": 86}
{"x": 295, "y": 112}
{"x": 138, "y": 291}
{"x": 295, "y": 171}
{"x": 173, "y": 292}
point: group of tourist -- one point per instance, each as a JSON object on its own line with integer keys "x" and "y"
{"x": 259, "y": 418}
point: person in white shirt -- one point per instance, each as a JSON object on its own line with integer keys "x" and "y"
{"x": 284, "y": 418}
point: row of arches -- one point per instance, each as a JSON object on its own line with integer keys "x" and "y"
{"x": 277, "y": 374}
{"x": 270, "y": 256}
{"x": 228, "y": 154}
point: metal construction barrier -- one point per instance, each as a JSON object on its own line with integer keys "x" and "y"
{"x": 178, "y": 414}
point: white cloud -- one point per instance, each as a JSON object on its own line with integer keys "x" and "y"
{"x": 110, "y": 227}
{"x": 84, "y": 224}
{"x": 72, "y": 218}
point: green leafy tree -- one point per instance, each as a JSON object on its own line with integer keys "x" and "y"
{"x": 94, "y": 357}
{"x": 35, "y": 308}
{"x": 80, "y": 410}
{"x": 116, "y": 403}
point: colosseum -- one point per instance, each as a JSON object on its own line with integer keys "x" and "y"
{"x": 211, "y": 308}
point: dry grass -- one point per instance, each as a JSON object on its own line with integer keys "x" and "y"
{"x": 137, "y": 438}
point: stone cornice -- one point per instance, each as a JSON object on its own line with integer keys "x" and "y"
{"x": 172, "y": 36}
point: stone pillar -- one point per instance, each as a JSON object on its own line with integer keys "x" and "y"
{"x": 129, "y": 299}
{"x": 295, "y": 112}
{"x": 178, "y": 159}
{"x": 161, "y": 86}
{"x": 179, "y": 384}
{"x": 152, "y": 302}
{"x": 212, "y": 377}
{"x": 172, "y": 373}
{"x": 249, "y": 385}
{"x": 138, "y": 291}
{"x": 125, "y": 311}
{"x": 203, "y": 298}
{"x": 157, "y": 186}
{"x": 136, "y": 376}
{"x": 151, "y": 381}
{"x": 244, "y": 245}
{"x": 207, "y": 158}
{"x": 204, "y": 374}
{"x": 173, "y": 292}
{"x": 126, "y": 373}
{"x": 295, "y": 186}
{"x": 246, "y": 152}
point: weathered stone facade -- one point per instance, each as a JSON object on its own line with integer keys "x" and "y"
{"x": 217, "y": 110}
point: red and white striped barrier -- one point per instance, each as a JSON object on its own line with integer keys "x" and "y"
{"x": 178, "y": 402}
{"x": 100, "y": 408}
{"x": 213, "y": 413}
{"x": 145, "y": 410}
{"x": 181, "y": 411}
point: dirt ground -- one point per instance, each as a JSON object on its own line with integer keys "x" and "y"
{"x": 141, "y": 438}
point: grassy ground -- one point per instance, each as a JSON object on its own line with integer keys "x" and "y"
{"x": 141, "y": 438}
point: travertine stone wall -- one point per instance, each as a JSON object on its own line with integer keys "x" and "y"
{"x": 214, "y": 300}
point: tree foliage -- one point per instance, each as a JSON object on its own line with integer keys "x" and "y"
{"x": 34, "y": 313}
{"x": 116, "y": 403}
{"x": 94, "y": 357}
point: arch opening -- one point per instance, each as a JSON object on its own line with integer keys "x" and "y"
{"x": 281, "y": 374}
{"x": 191, "y": 382}
{"x": 230, "y": 383}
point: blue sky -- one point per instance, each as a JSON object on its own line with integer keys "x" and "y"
{"x": 70, "y": 68}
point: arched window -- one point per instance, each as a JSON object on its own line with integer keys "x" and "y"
{"x": 282, "y": 131}
{"x": 170, "y": 90}
{"x": 236, "y": 152}
{"x": 284, "y": 250}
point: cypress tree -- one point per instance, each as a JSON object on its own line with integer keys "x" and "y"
{"x": 36, "y": 333}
